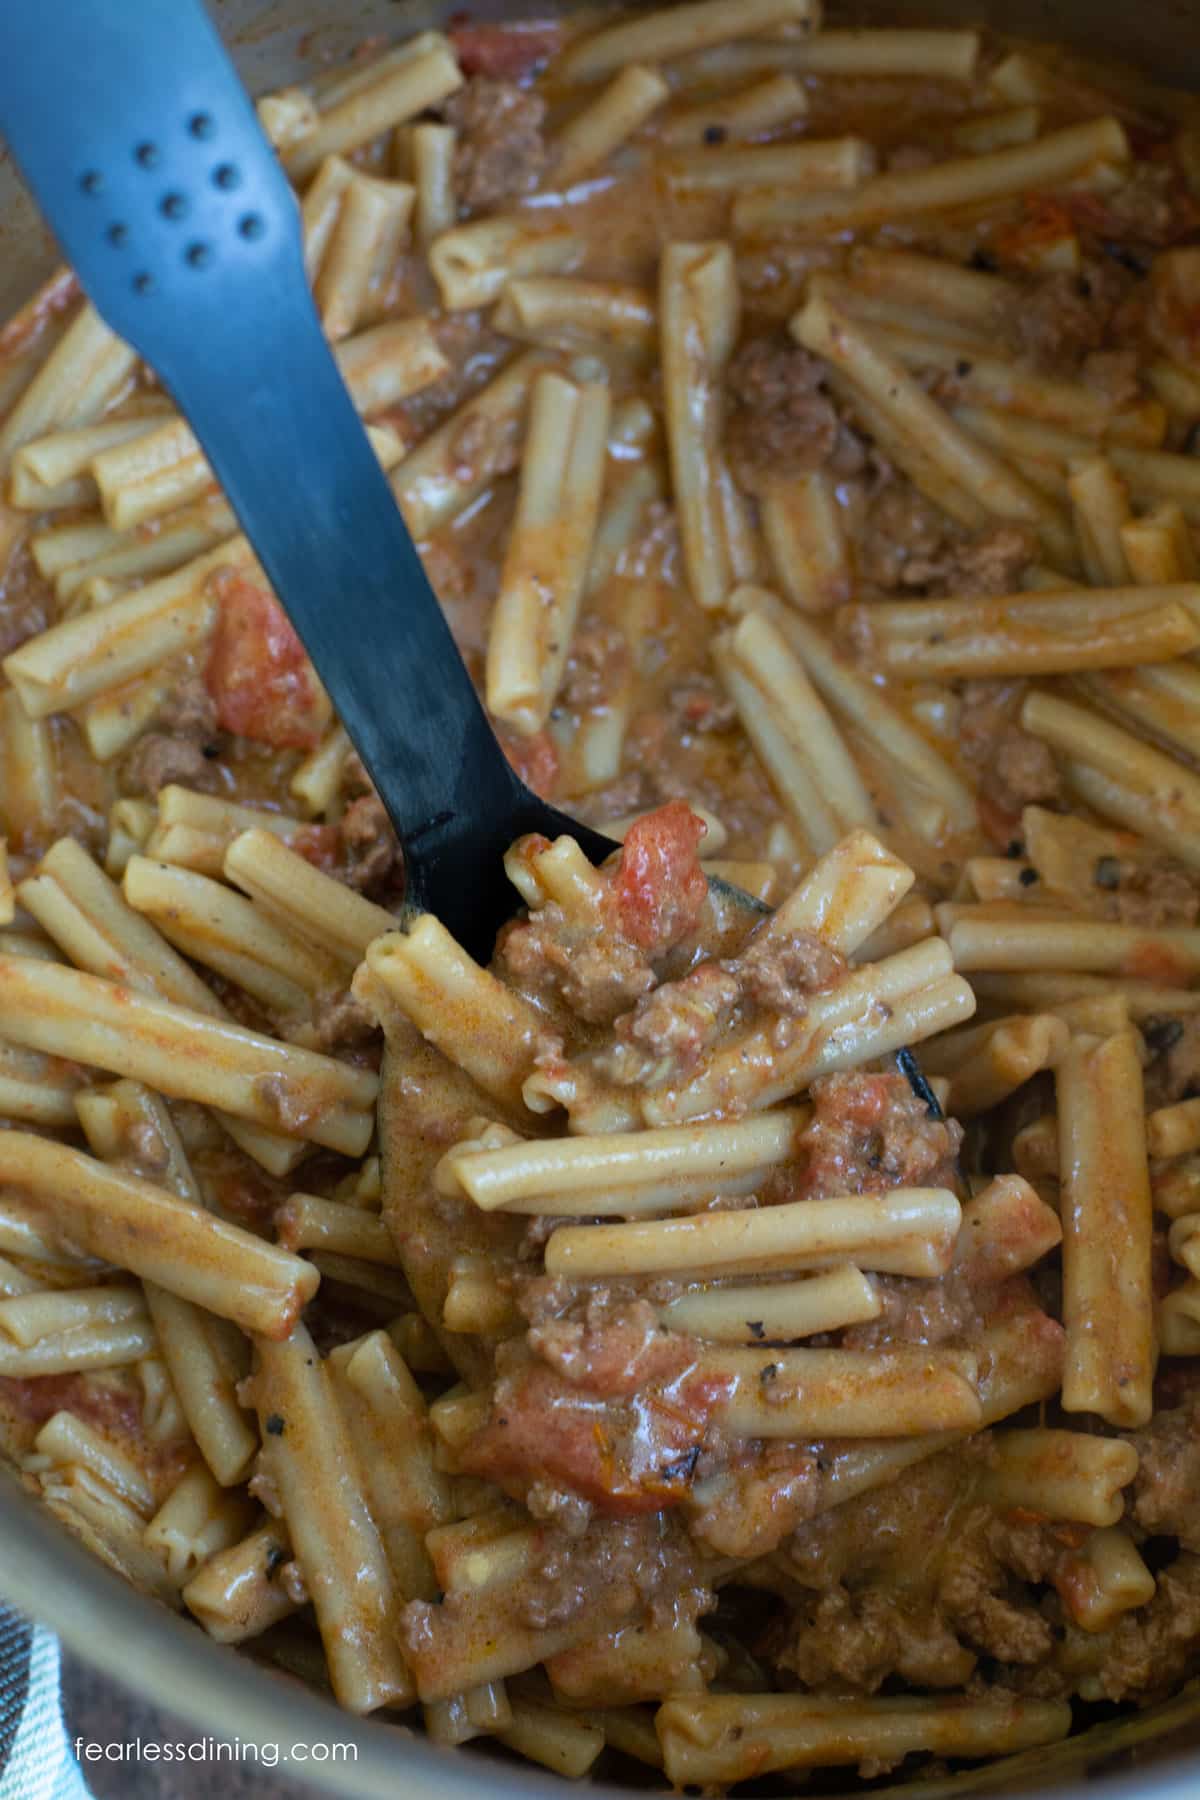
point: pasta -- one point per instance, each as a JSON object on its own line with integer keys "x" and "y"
{"x": 705, "y": 1740}
{"x": 604, "y": 124}
{"x": 959, "y": 182}
{"x": 746, "y": 1342}
{"x": 1103, "y": 1165}
{"x": 336, "y": 1540}
{"x": 546, "y": 564}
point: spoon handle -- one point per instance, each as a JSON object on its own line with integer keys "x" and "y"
{"x": 136, "y": 136}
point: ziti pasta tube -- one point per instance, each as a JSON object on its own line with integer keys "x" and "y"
{"x": 142, "y": 1227}
{"x": 1106, "y": 1210}
{"x": 309, "y": 1459}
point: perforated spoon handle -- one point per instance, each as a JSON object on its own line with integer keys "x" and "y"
{"x": 130, "y": 125}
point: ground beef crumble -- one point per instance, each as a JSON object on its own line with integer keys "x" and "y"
{"x": 474, "y": 352}
{"x": 666, "y": 1035}
{"x": 870, "y": 1133}
{"x": 370, "y": 858}
{"x": 698, "y": 704}
{"x": 1063, "y": 317}
{"x": 909, "y": 545}
{"x": 1152, "y": 207}
{"x": 26, "y": 601}
{"x": 338, "y": 1023}
{"x": 581, "y": 1585}
{"x": 781, "y": 421}
{"x": 501, "y": 153}
{"x": 1149, "y": 892}
{"x": 920, "y": 1580}
{"x": 860, "y": 1640}
{"x": 1113, "y": 373}
{"x": 981, "y": 1589}
{"x": 650, "y": 1556}
{"x": 1013, "y": 769}
{"x": 609, "y": 1345}
{"x": 992, "y": 562}
{"x": 598, "y": 975}
{"x": 1166, "y": 1490}
{"x": 918, "y": 1312}
{"x": 676, "y": 1024}
{"x": 597, "y": 663}
{"x": 900, "y": 527}
{"x": 782, "y": 971}
{"x": 183, "y": 750}
{"x": 1175, "y": 1073}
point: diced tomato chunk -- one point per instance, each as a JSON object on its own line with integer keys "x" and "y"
{"x": 1047, "y": 221}
{"x": 625, "y": 1458}
{"x": 1158, "y": 963}
{"x": 258, "y": 674}
{"x": 37, "y": 1398}
{"x": 660, "y": 886}
{"x": 504, "y": 52}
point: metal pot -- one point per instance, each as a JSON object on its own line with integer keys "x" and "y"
{"x": 165, "y": 1660}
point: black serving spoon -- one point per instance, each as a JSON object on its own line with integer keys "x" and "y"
{"x": 133, "y": 130}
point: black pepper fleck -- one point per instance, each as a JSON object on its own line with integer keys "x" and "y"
{"x": 715, "y": 134}
{"x": 1027, "y": 877}
{"x": 1162, "y": 1035}
{"x": 756, "y": 1328}
{"x": 275, "y": 1426}
{"x": 1127, "y": 258}
{"x": 1108, "y": 872}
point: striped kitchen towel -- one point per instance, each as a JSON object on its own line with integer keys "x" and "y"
{"x": 35, "y": 1757}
